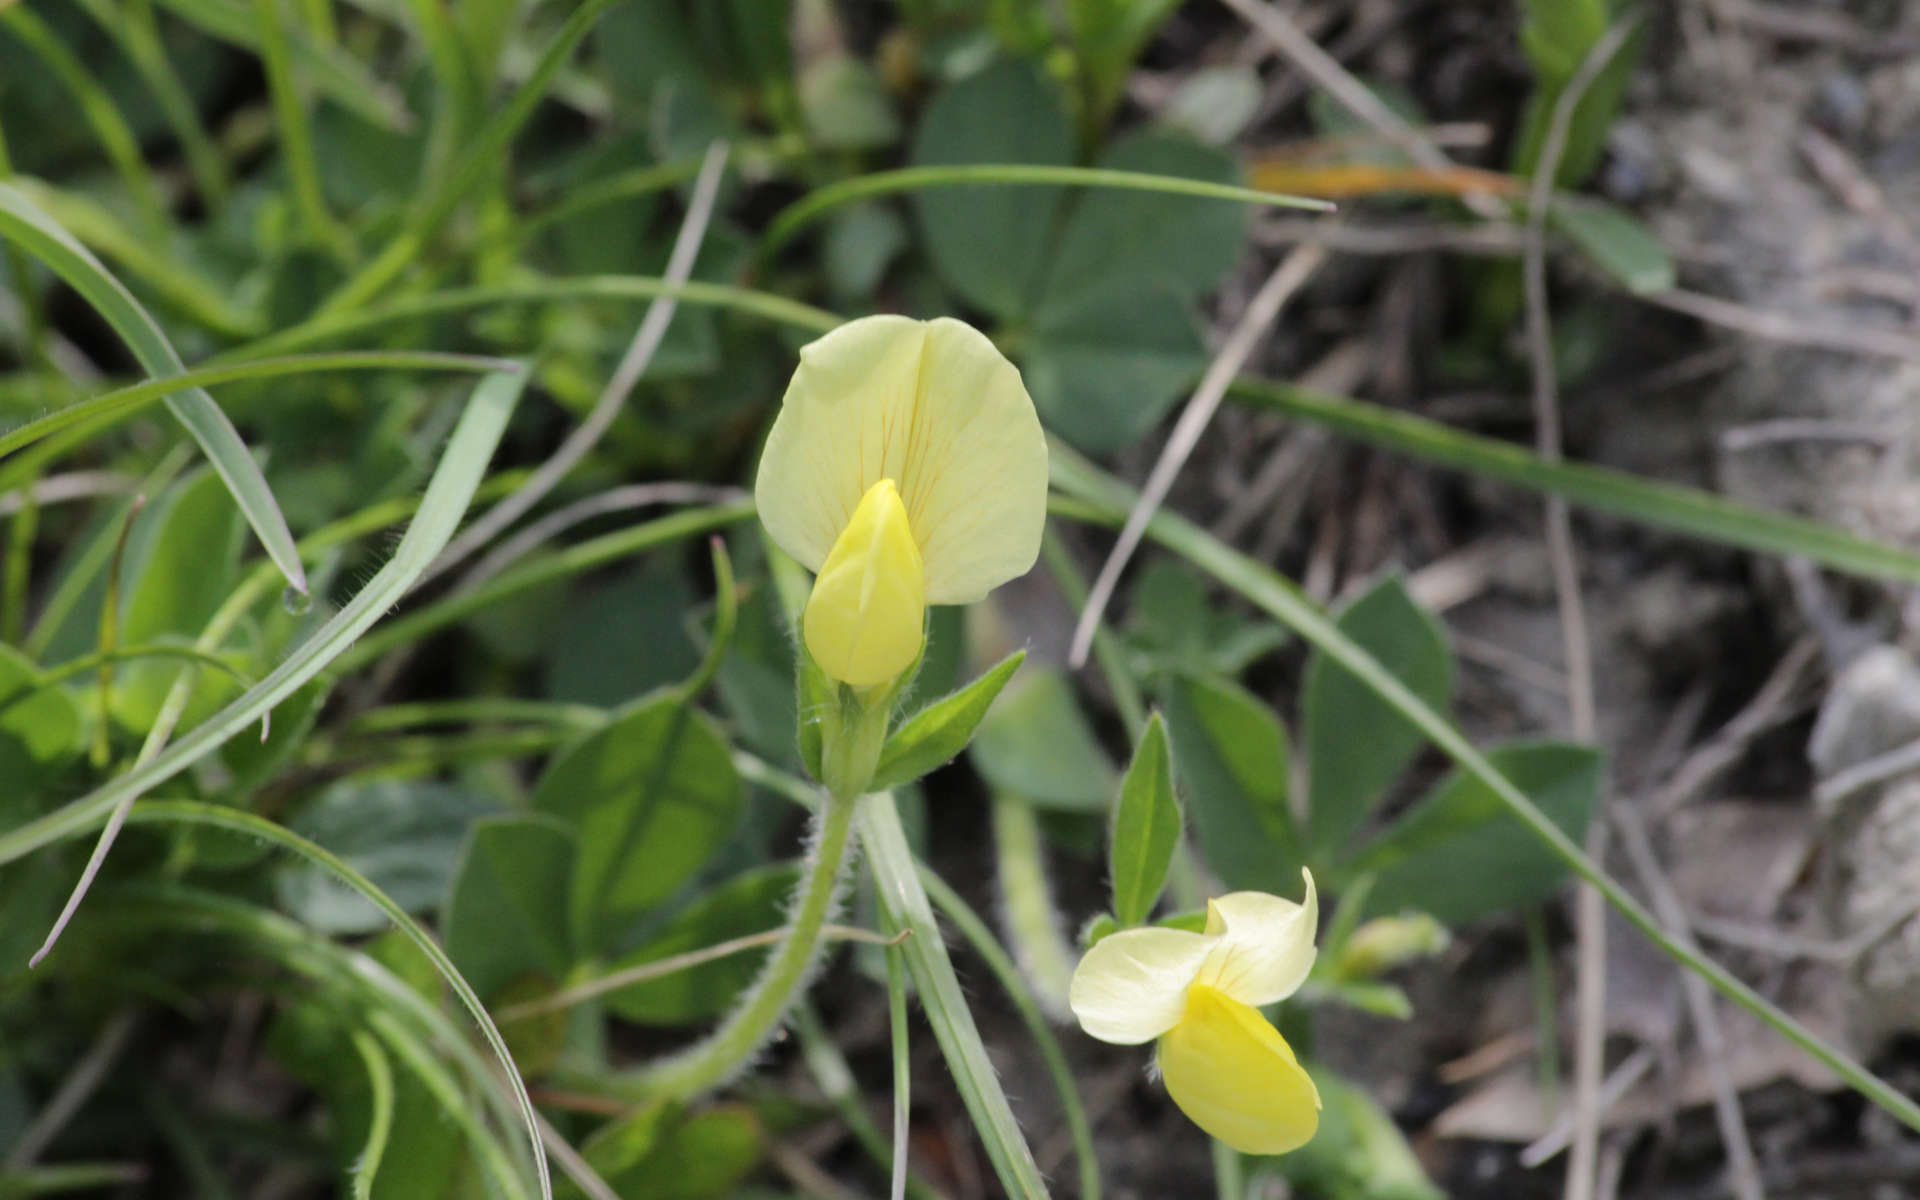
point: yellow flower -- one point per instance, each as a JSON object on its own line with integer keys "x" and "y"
{"x": 1224, "y": 1064}
{"x": 906, "y": 468}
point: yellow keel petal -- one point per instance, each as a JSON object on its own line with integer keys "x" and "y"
{"x": 1233, "y": 1074}
{"x": 867, "y": 616}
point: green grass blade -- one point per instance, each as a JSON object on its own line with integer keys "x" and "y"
{"x": 237, "y": 821}
{"x": 1667, "y": 506}
{"x": 980, "y": 936}
{"x": 125, "y": 401}
{"x": 817, "y": 203}
{"x": 447, "y": 497}
{"x": 898, "y": 882}
{"x": 393, "y": 1009}
{"x": 591, "y": 287}
{"x": 178, "y": 288}
{"x": 1108, "y": 500}
{"x": 22, "y": 222}
{"x": 574, "y": 560}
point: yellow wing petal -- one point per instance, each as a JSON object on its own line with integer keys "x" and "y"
{"x": 866, "y": 617}
{"x": 1132, "y": 986}
{"x": 1266, "y": 944}
{"x": 933, "y": 406}
{"x": 1234, "y": 1075}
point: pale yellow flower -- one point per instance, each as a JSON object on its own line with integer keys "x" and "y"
{"x": 906, "y": 468}
{"x": 1224, "y": 1064}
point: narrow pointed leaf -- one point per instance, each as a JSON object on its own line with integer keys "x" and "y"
{"x": 937, "y": 734}
{"x": 447, "y": 496}
{"x": 1146, "y": 827}
{"x": 35, "y": 232}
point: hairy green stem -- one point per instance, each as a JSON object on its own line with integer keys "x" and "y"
{"x": 732, "y": 1046}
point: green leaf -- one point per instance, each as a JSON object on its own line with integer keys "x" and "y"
{"x": 937, "y": 734}
{"x": 988, "y": 244}
{"x": 1616, "y": 243}
{"x": 1146, "y": 827}
{"x": 35, "y": 232}
{"x": 653, "y": 794}
{"x": 1037, "y": 744}
{"x": 1460, "y": 854}
{"x": 404, "y": 836}
{"x": 1103, "y": 372}
{"x": 39, "y": 730}
{"x": 506, "y": 912}
{"x": 1232, "y": 753}
{"x": 1123, "y": 240}
{"x": 750, "y": 903}
{"x": 1357, "y": 745}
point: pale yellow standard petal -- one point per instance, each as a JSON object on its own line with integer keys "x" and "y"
{"x": 933, "y": 406}
{"x": 1233, "y": 1074}
{"x": 1132, "y": 986}
{"x": 866, "y": 618}
{"x": 1266, "y": 944}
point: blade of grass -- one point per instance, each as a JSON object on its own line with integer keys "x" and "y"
{"x": 447, "y": 496}
{"x": 591, "y": 287}
{"x": 980, "y": 937}
{"x": 123, "y": 402}
{"x": 902, "y": 1070}
{"x": 574, "y": 560}
{"x": 817, "y": 203}
{"x": 22, "y": 222}
{"x": 394, "y": 1010}
{"x": 1105, "y": 500}
{"x": 236, "y": 821}
{"x": 900, "y": 889}
{"x": 1683, "y": 510}
{"x": 176, "y": 287}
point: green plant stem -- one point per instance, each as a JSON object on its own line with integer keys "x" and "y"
{"x": 1107, "y": 501}
{"x": 973, "y": 928}
{"x": 903, "y": 893}
{"x": 1229, "y": 1173}
{"x": 731, "y": 1047}
{"x": 296, "y": 136}
{"x": 810, "y": 207}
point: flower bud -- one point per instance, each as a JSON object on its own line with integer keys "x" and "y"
{"x": 866, "y": 618}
